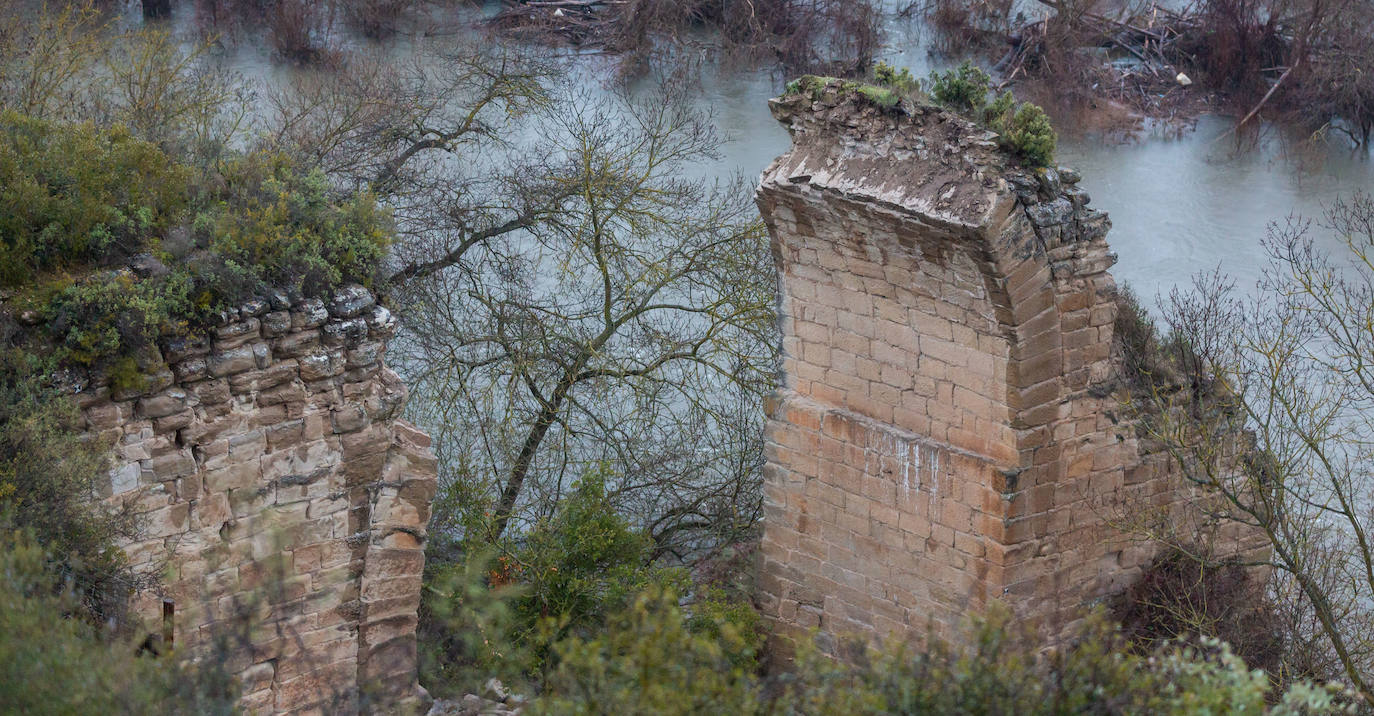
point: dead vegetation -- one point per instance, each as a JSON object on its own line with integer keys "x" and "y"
{"x": 824, "y": 36}
{"x": 1300, "y": 60}
{"x": 300, "y": 31}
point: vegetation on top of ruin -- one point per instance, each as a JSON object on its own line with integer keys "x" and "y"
{"x": 114, "y": 149}
{"x": 111, "y": 244}
{"x": 1023, "y": 130}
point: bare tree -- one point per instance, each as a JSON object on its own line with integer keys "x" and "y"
{"x": 1292, "y": 366}
{"x": 570, "y": 297}
{"x": 629, "y": 328}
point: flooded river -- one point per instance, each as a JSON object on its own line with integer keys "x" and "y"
{"x": 1180, "y": 204}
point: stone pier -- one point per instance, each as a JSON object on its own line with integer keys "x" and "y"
{"x": 948, "y": 431}
{"x": 283, "y": 504}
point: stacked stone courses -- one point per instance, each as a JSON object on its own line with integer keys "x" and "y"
{"x": 282, "y": 504}
{"x": 949, "y": 429}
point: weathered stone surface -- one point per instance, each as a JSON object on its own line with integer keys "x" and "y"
{"x": 939, "y": 440}
{"x": 247, "y": 496}
{"x": 234, "y": 360}
{"x": 350, "y": 301}
{"x": 310, "y": 313}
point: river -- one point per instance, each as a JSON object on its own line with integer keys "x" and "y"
{"x": 1180, "y": 203}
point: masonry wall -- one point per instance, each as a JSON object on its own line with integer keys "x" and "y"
{"x": 949, "y": 429}
{"x": 281, "y": 501}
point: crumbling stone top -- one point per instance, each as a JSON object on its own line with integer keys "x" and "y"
{"x": 925, "y": 160}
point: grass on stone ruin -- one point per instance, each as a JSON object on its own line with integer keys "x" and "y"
{"x": 1022, "y": 129}
{"x": 78, "y": 202}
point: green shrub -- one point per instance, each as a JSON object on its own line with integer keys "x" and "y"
{"x": 964, "y": 89}
{"x": 1027, "y": 132}
{"x": 999, "y": 668}
{"x": 50, "y": 476}
{"x": 732, "y": 622}
{"x": 564, "y": 577}
{"x": 1023, "y": 130}
{"x": 467, "y": 626}
{"x": 53, "y": 664}
{"x": 648, "y": 660}
{"x": 285, "y": 226}
{"x": 899, "y": 79}
{"x": 75, "y": 199}
{"x": 113, "y": 313}
{"x": 72, "y": 195}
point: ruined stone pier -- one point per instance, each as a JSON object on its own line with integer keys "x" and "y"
{"x": 282, "y": 502}
{"x": 947, "y": 432}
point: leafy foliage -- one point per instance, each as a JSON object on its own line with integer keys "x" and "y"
{"x": 75, "y": 195}
{"x": 649, "y": 659}
{"x": 48, "y": 482}
{"x": 566, "y": 579}
{"x": 997, "y": 669}
{"x": 585, "y": 563}
{"x": 897, "y": 78}
{"x": 53, "y": 664}
{"x": 76, "y": 199}
{"x": 963, "y": 89}
{"x": 285, "y": 226}
{"x": 1023, "y": 130}
{"x": 1027, "y": 132}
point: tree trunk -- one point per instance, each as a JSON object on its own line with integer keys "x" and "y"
{"x": 154, "y": 9}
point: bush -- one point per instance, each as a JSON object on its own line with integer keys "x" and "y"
{"x": 648, "y": 660}
{"x": 285, "y": 226}
{"x": 999, "y": 668}
{"x": 505, "y": 615}
{"x": 73, "y": 195}
{"x": 964, "y": 89}
{"x": 1023, "y": 130}
{"x": 77, "y": 199}
{"x": 897, "y": 79}
{"x": 1027, "y": 133}
{"x": 53, "y": 664}
{"x": 565, "y": 577}
{"x": 50, "y": 479}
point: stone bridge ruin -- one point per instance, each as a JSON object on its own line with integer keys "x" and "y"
{"x": 946, "y": 432}
{"x": 283, "y": 503}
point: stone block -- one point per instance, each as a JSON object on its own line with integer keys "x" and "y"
{"x": 233, "y": 477}
{"x": 298, "y": 343}
{"x": 235, "y": 334}
{"x": 232, "y": 361}
{"x": 309, "y": 313}
{"x": 351, "y": 301}
{"x": 344, "y": 332}
{"x": 276, "y": 323}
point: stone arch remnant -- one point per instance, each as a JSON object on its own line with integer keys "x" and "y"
{"x": 946, "y": 432}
